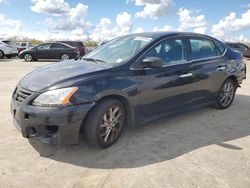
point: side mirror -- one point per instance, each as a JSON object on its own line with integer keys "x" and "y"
{"x": 152, "y": 62}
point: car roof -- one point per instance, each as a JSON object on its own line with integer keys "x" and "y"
{"x": 159, "y": 34}
{"x": 58, "y": 43}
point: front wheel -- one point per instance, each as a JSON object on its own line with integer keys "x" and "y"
{"x": 226, "y": 94}
{"x": 105, "y": 122}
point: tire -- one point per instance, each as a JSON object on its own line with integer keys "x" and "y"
{"x": 226, "y": 94}
{"x": 28, "y": 57}
{"x": 65, "y": 57}
{"x": 98, "y": 129}
{"x": 1, "y": 54}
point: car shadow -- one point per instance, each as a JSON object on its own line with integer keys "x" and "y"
{"x": 161, "y": 140}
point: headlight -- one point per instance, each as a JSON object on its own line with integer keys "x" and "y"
{"x": 56, "y": 97}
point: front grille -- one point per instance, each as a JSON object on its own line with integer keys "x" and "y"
{"x": 21, "y": 94}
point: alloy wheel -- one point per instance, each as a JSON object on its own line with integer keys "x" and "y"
{"x": 227, "y": 94}
{"x": 65, "y": 57}
{"x": 27, "y": 57}
{"x": 111, "y": 124}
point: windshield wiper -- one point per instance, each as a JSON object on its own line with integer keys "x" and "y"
{"x": 93, "y": 59}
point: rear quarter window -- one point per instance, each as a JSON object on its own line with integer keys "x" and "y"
{"x": 221, "y": 48}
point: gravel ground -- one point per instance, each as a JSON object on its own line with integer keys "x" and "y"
{"x": 202, "y": 148}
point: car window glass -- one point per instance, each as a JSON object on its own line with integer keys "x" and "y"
{"x": 120, "y": 49}
{"x": 202, "y": 48}
{"x": 44, "y": 47}
{"x": 170, "y": 51}
{"x": 221, "y": 48}
{"x": 23, "y": 44}
{"x": 242, "y": 46}
{"x": 57, "y": 46}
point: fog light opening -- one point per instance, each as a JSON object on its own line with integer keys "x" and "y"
{"x": 32, "y": 131}
{"x": 52, "y": 129}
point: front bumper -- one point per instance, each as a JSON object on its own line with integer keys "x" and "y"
{"x": 55, "y": 125}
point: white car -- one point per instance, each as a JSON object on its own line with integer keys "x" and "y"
{"x": 24, "y": 45}
{"x": 7, "y": 49}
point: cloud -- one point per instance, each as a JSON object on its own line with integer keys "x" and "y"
{"x": 154, "y": 8}
{"x": 124, "y": 21}
{"x": 9, "y": 27}
{"x": 73, "y": 19}
{"x": 4, "y": 1}
{"x": 139, "y": 30}
{"x": 187, "y": 21}
{"x": 65, "y": 18}
{"x": 165, "y": 28}
{"x": 230, "y": 24}
{"x": 55, "y": 7}
{"x": 105, "y": 31}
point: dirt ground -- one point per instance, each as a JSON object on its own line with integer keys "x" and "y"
{"x": 203, "y": 148}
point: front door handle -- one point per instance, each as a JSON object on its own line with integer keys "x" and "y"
{"x": 221, "y": 68}
{"x": 186, "y": 75}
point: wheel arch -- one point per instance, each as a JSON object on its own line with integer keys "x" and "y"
{"x": 234, "y": 78}
{"x": 127, "y": 105}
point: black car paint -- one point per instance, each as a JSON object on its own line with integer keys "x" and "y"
{"x": 52, "y": 53}
{"x": 147, "y": 93}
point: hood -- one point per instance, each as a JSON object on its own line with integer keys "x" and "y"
{"x": 49, "y": 75}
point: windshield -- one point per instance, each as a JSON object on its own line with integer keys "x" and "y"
{"x": 119, "y": 50}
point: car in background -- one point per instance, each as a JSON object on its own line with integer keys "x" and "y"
{"x": 23, "y": 46}
{"x": 130, "y": 80}
{"x": 90, "y": 49}
{"x": 77, "y": 44}
{"x": 54, "y": 50}
{"x": 7, "y": 49}
{"x": 244, "y": 49}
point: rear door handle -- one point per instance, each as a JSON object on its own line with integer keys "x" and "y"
{"x": 221, "y": 68}
{"x": 186, "y": 75}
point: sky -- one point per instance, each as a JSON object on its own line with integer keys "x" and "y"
{"x": 99, "y": 20}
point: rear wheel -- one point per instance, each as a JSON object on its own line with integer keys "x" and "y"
{"x": 28, "y": 57}
{"x": 226, "y": 94}
{"x": 64, "y": 57}
{"x": 105, "y": 122}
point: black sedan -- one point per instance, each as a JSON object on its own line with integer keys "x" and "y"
{"x": 50, "y": 51}
{"x": 126, "y": 81}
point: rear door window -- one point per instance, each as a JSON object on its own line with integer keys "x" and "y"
{"x": 202, "y": 48}
{"x": 221, "y": 48}
{"x": 57, "y": 46}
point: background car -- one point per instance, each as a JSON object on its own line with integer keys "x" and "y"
{"x": 50, "y": 51}
{"x": 77, "y": 44}
{"x": 23, "y": 46}
{"x": 244, "y": 49}
{"x": 7, "y": 49}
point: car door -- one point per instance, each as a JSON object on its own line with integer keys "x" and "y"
{"x": 166, "y": 89}
{"x": 56, "y": 50}
{"x": 208, "y": 67}
{"x": 43, "y": 51}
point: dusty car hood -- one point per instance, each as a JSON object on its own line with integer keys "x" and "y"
{"x": 49, "y": 75}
